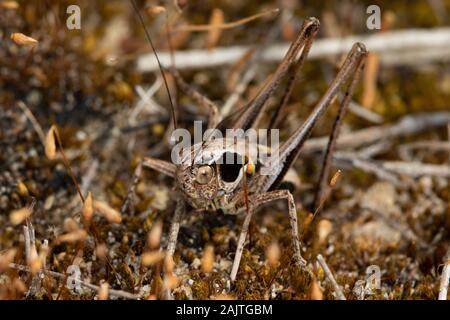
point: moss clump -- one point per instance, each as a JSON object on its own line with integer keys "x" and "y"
{"x": 300, "y": 280}
{"x": 201, "y": 289}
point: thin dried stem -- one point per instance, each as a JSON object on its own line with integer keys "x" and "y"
{"x": 405, "y": 126}
{"x": 337, "y": 289}
{"x": 67, "y": 164}
{"x": 445, "y": 277}
{"x": 37, "y": 127}
{"x": 410, "y": 46}
{"x": 416, "y": 169}
{"x": 227, "y": 25}
{"x": 448, "y": 137}
{"x": 364, "y": 113}
{"x": 93, "y": 287}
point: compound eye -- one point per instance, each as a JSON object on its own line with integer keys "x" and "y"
{"x": 204, "y": 174}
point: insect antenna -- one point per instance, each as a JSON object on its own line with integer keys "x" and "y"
{"x": 161, "y": 68}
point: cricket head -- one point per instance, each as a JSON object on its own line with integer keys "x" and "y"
{"x": 211, "y": 172}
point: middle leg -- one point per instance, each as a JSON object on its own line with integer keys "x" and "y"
{"x": 256, "y": 201}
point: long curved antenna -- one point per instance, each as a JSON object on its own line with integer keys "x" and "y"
{"x": 161, "y": 69}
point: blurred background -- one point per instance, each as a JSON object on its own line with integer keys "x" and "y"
{"x": 100, "y": 86}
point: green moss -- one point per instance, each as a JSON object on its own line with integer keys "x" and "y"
{"x": 201, "y": 289}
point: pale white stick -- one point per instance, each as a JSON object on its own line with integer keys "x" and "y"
{"x": 448, "y": 137}
{"x": 395, "y": 47}
{"x": 416, "y": 169}
{"x": 37, "y": 127}
{"x": 93, "y": 287}
{"x": 329, "y": 274}
{"x": 407, "y": 125}
{"x": 445, "y": 276}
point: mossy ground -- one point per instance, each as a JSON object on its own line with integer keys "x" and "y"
{"x": 66, "y": 80}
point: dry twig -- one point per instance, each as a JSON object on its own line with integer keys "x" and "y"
{"x": 408, "y": 125}
{"x": 329, "y": 274}
{"x": 37, "y": 127}
{"x": 395, "y": 48}
{"x": 93, "y": 287}
{"x": 445, "y": 277}
{"x": 228, "y": 25}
